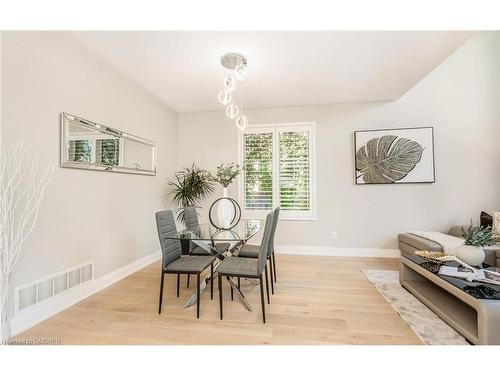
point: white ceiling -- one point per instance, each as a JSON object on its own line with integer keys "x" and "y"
{"x": 284, "y": 68}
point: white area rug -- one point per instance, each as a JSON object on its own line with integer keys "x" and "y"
{"x": 427, "y": 326}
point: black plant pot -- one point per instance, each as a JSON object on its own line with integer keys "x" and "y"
{"x": 185, "y": 246}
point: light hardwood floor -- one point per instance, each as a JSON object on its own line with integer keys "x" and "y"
{"x": 318, "y": 300}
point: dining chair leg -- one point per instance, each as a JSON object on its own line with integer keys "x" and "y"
{"x": 212, "y": 281}
{"x": 274, "y": 266}
{"x": 188, "y": 278}
{"x": 197, "y": 296}
{"x": 239, "y": 283}
{"x": 267, "y": 285}
{"x": 178, "y": 283}
{"x": 232, "y": 299}
{"x": 271, "y": 274}
{"x": 220, "y": 295}
{"x": 161, "y": 291}
{"x": 262, "y": 299}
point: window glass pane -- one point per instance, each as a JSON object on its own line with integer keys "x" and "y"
{"x": 294, "y": 170}
{"x": 258, "y": 163}
{"x": 80, "y": 151}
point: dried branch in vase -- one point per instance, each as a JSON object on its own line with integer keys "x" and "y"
{"x": 22, "y": 187}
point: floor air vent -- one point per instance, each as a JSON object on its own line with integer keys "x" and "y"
{"x": 44, "y": 289}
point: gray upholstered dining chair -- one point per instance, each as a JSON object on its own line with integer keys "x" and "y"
{"x": 252, "y": 251}
{"x": 174, "y": 263}
{"x": 249, "y": 267}
{"x": 192, "y": 224}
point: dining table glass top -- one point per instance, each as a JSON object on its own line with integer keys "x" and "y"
{"x": 243, "y": 231}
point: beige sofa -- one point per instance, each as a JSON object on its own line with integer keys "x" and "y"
{"x": 409, "y": 243}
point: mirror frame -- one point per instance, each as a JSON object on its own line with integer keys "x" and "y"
{"x": 67, "y": 119}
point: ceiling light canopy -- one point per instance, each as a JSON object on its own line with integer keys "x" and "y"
{"x": 231, "y": 61}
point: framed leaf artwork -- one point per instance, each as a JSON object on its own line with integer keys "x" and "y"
{"x": 394, "y": 156}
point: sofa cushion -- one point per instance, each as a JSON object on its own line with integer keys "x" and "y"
{"x": 496, "y": 224}
{"x": 485, "y": 219}
{"x": 457, "y": 231}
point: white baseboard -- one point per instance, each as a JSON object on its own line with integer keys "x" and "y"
{"x": 44, "y": 310}
{"x": 338, "y": 251}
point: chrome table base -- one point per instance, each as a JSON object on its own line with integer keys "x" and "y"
{"x": 212, "y": 250}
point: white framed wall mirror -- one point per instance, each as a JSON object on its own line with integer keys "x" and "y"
{"x": 88, "y": 145}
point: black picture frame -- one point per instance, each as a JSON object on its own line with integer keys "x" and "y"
{"x": 395, "y": 129}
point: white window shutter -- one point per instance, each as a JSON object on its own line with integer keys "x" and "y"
{"x": 80, "y": 151}
{"x": 108, "y": 151}
{"x": 258, "y": 175}
{"x": 294, "y": 167}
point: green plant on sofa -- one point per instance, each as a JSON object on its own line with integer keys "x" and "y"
{"x": 189, "y": 187}
{"x": 478, "y": 236}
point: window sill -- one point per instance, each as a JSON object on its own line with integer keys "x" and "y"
{"x": 283, "y": 218}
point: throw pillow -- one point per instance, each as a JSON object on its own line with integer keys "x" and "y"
{"x": 496, "y": 223}
{"x": 485, "y": 219}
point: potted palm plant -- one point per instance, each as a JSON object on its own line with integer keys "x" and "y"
{"x": 189, "y": 187}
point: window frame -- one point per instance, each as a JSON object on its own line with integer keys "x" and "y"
{"x": 276, "y": 129}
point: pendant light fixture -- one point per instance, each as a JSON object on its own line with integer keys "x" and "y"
{"x": 235, "y": 70}
{"x": 225, "y": 97}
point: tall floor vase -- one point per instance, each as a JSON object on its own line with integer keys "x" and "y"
{"x": 225, "y": 210}
{"x": 4, "y": 318}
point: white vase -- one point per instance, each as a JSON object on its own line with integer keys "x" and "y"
{"x": 225, "y": 211}
{"x": 4, "y": 319}
{"x": 472, "y": 255}
{"x": 4, "y": 331}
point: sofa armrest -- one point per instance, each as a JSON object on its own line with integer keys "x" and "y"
{"x": 418, "y": 243}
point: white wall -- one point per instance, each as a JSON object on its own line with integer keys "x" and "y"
{"x": 85, "y": 215}
{"x": 0, "y": 86}
{"x": 460, "y": 99}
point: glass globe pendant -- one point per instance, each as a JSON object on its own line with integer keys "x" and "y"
{"x": 225, "y": 97}
{"x": 229, "y": 84}
{"x": 232, "y": 110}
{"x": 241, "y": 72}
{"x": 241, "y": 122}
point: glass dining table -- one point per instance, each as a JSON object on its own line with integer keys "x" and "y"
{"x": 206, "y": 236}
